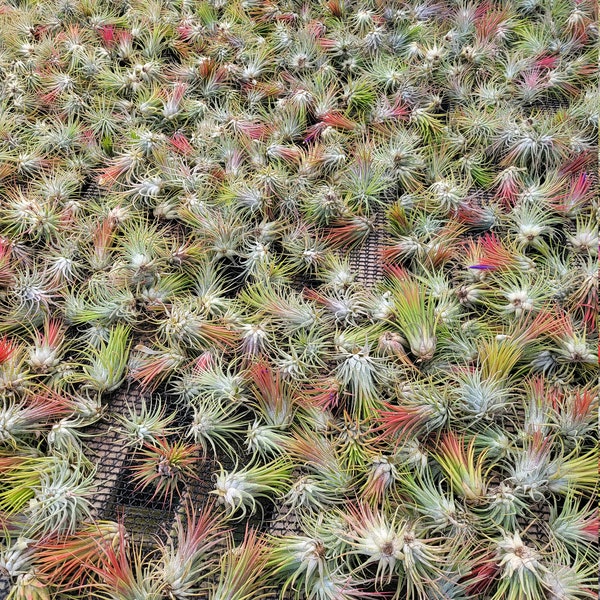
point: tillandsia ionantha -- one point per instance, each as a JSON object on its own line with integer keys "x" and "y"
{"x": 347, "y": 250}
{"x": 187, "y": 563}
{"x": 240, "y": 490}
{"x": 164, "y": 466}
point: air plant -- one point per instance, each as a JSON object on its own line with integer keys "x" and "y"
{"x": 24, "y": 419}
{"x": 438, "y": 509}
{"x": 379, "y": 538}
{"x": 323, "y": 459}
{"x": 185, "y": 565}
{"x": 216, "y": 425}
{"x": 60, "y": 499}
{"x": 575, "y": 524}
{"x": 122, "y": 573}
{"x": 108, "y": 363}
{"x": 243, "y": 571}
{"x": 360, "y": 373}
{"x": 414, "y": 314}
{"x": 419, "y": 409}
{"x": 564, "y": 581}
{"x": 146, "y": 423}
{"x": 64, "y": 563}
{"x": 522, "y": 569}
{"x": 274, "y": 397}
{"x": 165, "y": 467}
{"x": 152, "y": 365}
{"x": 241, "y": 489}
{"x": 462, "y": 468}
{"x": 299, "y": 562}
{"x": 45, "y": 355}
{"x": 264, "y": 440}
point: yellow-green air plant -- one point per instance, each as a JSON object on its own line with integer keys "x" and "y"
{"x": 243, "y": 571}
{"x": 240, "y": 490}
{"x": 106, "y": 369}
{"x": 461, "y": 467}
{"x": 413, "y": 314}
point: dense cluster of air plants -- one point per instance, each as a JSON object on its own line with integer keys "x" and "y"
{"x": 184, "y": 189}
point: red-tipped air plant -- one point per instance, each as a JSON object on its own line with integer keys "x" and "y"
{"x": 463, "y": 470}
{"x": 489, "y": 252}
{"x": 399, "y": 422}
{"x": 509, "y": 184}
{"x": 181, "y": 144}
{"x": 324, "y": 393}
{"x": 349, "y": 232}
{"x": 272, "y": 394}
{"x": 165, "y": 467}
{"x": 65, "y": 563}
{"x": 44, "y": 355}
{"x": 107, "y": 34}
{"x": 578, "y": 192}
{"x": 154, "y": 365}
{"x": 338, "y": 120}
{"x": 7, "y": 349}
{"x": 483, "y": 575}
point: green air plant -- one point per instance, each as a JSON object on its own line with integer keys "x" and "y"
{"x": 298, "y": 562}
{"x": 239, "y": 490}
{"x": 377, "y": 537}
{"x": 522, "y": 569}
{"x": 107, "y": 363}
{"x": 60, "y": 500}
{"x": 438, "y": 509}
{"x": 360, "y": 373}
{"x": 216, "y": 425}
{"x": 242, "y": 571}
{"x": 575, "y": 524}
{"x": 480, "y": 397}
{"x": 413, "y": 314}
{"x": 462, "y": 468}
{"x": 323, "y": 460}
{"x": 146, "y": 423}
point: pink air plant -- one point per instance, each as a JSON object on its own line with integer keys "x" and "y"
{"x": 482, "y": 577}
{"x": 577, "y": 194}
{"x": 7, "y": 349}
{"x": 181, "y": 144}
{"x": 107, "y": 34}
{"x": 489, "y": 253}
{"x": 490, "y": 21}
{"x": 508, "y": 185}
{"x": 399, "y": 422}
{"x": 337, "y": 120}
{"x": 324, "y": 393}
{"x": 348, "y": 232}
